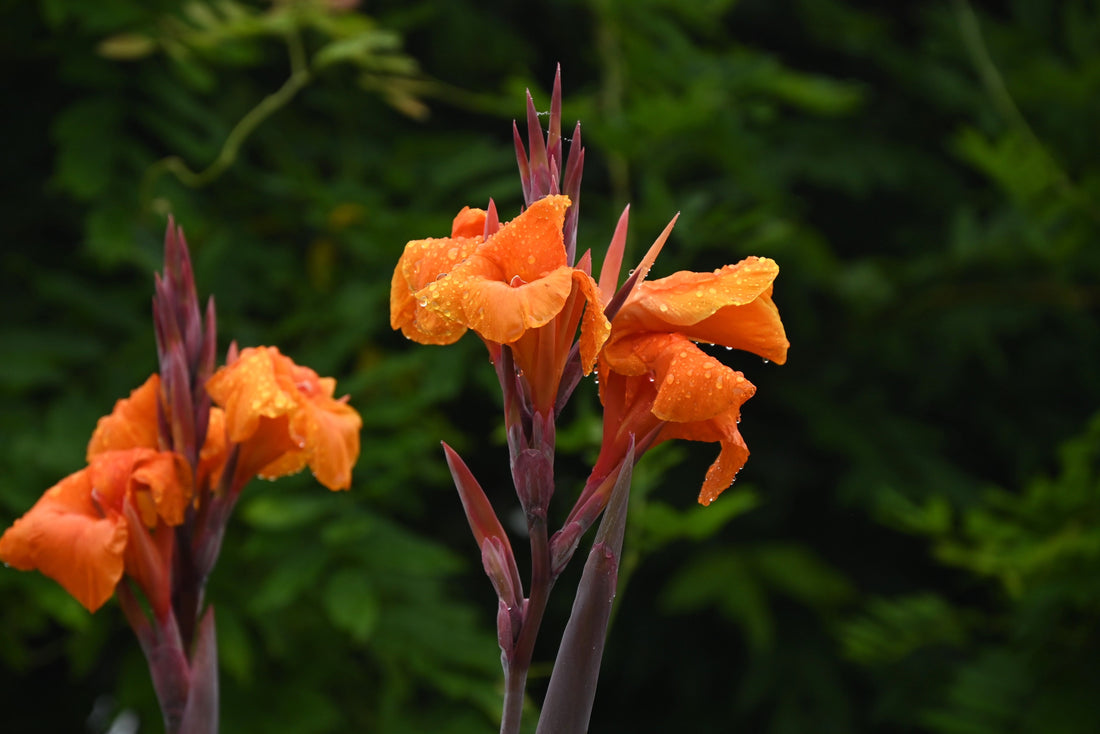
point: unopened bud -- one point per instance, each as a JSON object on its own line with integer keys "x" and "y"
{"x": 500, "y": 567}
{"x": 563, "y": 545}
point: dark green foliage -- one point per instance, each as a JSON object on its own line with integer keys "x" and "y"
{"x": 913, "y": 544}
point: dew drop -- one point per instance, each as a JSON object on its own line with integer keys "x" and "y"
{"x": 664, "y": 307}
{"x": 729, "y": 349}
{"x": 765, "y": 361}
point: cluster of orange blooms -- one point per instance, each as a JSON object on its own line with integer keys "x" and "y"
{"x": 511, "y": 284}
{"x": 115, "y": 515}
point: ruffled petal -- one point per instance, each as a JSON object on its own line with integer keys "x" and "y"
{"x": 284, "y": 417}
{"x": 499, "y": 311}
{"x": 423, "y": 262}
{"x": 723, "y": 430}
{"x": 731, "y": 306}
{"x": 468, "y": 223}
{"x": 691, "y": 385}
{"x": 331, "y": 433}
{"x": 165, "y": 477}
{"x": 595, "y": 328}
{"x": 249, "y": 389}
{"x": 532, "y": 244}
{"x": 132, "y": 423}
{"x": 67, "y": 537}
{"x": 685, "y": 298}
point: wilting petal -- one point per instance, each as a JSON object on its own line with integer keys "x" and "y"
{"x": 132, "y": 423}
{"x": 721, "y": 429}
{"x": 71, "y": 539}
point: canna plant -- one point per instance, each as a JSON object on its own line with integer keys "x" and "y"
{"x": 145, "y": 519}
{"x": 546, "y": 323}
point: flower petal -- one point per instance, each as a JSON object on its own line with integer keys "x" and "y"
{"x": 595, "y": 328}
{"x": 731, "y": 306}
{"x": 498, "y": 311}
{"x": 250, "y": 389}
{"x": 132, "y": 423}
{"x": 468, "y": 223}
{"x": 723, "y": 430}
{"x": 165, "y": 477}
{"x": 532, "y": 244}
{"x": 331, "y": 431}
{"x": 283, "y": 416}
{"x": 422, "y": 262}
{"x": 67, "y": 537}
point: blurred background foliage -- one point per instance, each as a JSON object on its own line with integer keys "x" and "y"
{"x": 914, "y": 545}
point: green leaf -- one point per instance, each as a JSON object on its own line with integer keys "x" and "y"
{"x": 352, "y": 603}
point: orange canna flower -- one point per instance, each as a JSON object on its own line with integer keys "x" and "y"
{"x": 284, "y": 417}
{"x": 85, "y": 531}
{"x": 515, "y": 287}
{"x": 656, "y": 384}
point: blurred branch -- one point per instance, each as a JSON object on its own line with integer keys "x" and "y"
{"x": 300, "y": 76}
{"x": 995, "y": 85}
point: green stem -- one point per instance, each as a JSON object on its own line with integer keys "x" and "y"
{"x": 299, "y": 77}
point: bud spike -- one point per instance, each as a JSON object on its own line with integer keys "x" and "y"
{"x": 613, "y": 260}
